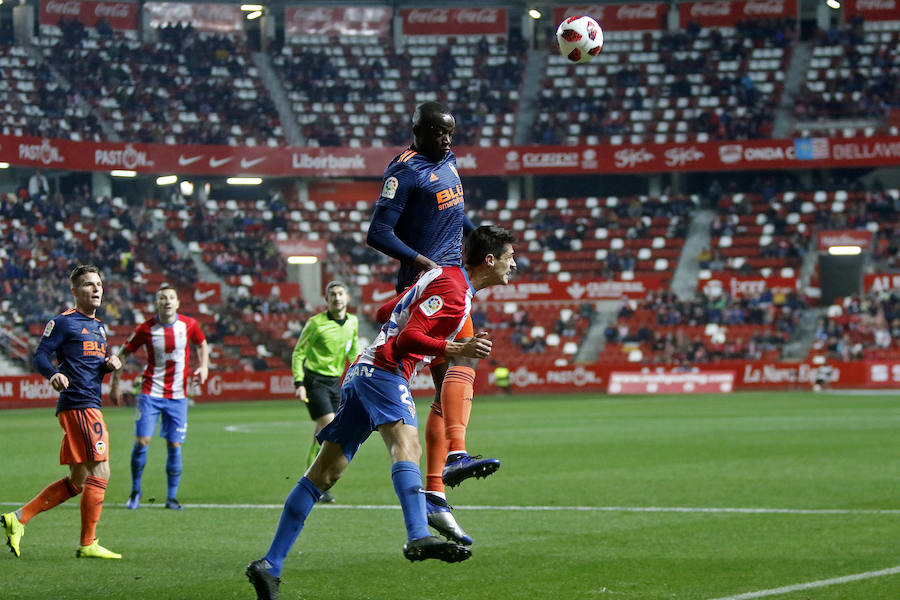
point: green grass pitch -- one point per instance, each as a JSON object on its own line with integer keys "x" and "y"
{"x": 597, "y": 498}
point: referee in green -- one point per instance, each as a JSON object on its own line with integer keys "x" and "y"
{"x": 329, "y": 341}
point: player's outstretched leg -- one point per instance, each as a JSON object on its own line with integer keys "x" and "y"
{"x": 440, "y": 518}
{"x": 265, "y": 584}
{"x": 434, "y": 547}
{"x": 95, "y": 550}
{"x": 460, "y": 466}
{"x": 14, "y": 531}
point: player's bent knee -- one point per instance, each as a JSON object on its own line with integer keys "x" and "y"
{"x": 464, "y": 361}
{"x": 406, "y": 448}
{"x": 99, "y": 469}
{"x": 328, "y": 466}
{"x": 142, "y": 441}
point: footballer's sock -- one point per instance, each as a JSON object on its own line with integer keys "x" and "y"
{"x": 435, "y": 449}
{"x": 313, "y": 452}
{"x": 407, "y": 480}
{"x": 173, "y": 470}
{"x": 138, "y": 460}
{"x": 91, "y": 507}
{"x": 296, "y": 508}
{"x": 53, "y": 495}
{"x": 456, "y": 403}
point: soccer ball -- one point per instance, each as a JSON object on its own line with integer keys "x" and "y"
{"x": 579, "y": 38}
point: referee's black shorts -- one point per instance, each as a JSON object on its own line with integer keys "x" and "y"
{"x": 323, "y": 394}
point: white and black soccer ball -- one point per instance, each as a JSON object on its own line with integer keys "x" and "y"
{"x": 580, "y": 38}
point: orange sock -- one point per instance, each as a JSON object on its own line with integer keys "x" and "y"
{"x": 435, "y": 449}
{"x": 456, "y": 403}
{"x": 53, "y": 495}
{"x": 91, "y": 507}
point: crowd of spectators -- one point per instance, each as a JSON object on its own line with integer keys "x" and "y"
{"x": 314, "y": 74}
{"x": 857, "y": 325}
{"x": 45, "y": 233}
{"x": 150, "y": 88}
{"x": 691, "y": 57}
{"x": 773, "y": 315}
{"x": 870, "y": 89}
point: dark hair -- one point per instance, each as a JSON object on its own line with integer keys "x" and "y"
{"x": 484, "y": 240}
{"x": 334, "y": 284}
{"x": 79, "y": 271}
{"x": 429, "y": 112}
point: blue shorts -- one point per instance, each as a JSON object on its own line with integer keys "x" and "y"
{"x": 370, "y": 397}
{"x": 174, "y": 417}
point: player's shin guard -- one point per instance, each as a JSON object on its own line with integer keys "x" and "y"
{"x": 173, "y": 470}
{"x": 297, "y": 507}
{"x": 91, "y": 507}
{"x": 456, "y": 403}
{"x": 435, "y": 450}
{"x": 407, "y": 480}
{"x": 138, "y": 460}
{"x": 53, "y": 495}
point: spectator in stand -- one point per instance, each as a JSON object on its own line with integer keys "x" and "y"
{"x": 38, "y": 186}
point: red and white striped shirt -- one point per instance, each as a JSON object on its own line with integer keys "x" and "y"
{"x": 423, "y": 319}
{"x": 168, "y": 354}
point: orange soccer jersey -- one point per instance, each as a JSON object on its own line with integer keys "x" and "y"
{"x": 85, "y": 437}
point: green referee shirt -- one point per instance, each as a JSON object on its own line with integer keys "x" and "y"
{"x": 325, "y": 346}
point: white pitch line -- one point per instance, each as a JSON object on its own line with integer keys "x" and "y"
{"x": 637, "y": 509}
{"x": 813, "y": 584}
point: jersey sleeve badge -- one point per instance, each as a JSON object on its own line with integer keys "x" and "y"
{"x": 390, "y": 187}
{"x": 49, "y": 328}
{"x": 432, "y": 305}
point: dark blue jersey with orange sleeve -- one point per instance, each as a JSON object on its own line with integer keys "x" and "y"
{"x": 79, "y": 343}
{"x": 421, "y": 210}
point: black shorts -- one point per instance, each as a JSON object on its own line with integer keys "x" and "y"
{"x": 323, "y": 394}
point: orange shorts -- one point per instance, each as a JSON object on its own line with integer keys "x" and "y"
{"x": 85, "y": 437}
{"x": 467, "y": 331}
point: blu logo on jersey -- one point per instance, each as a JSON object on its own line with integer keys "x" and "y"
{"x": 449, "y": 197}
{"x": 92, "y": 348}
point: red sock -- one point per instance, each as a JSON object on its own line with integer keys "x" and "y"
{"x": 91, "y": 507}
{"x": 435, "y": 449}
{"x": 53, "y": 495}
{"x": 456, "y": 403}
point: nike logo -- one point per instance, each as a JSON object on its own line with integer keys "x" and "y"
{"x": 215, "y": 163}
{"x": 246, "y": 164}
{"x": 433, "y": 177}
{"x": 379, "y": 296}
{"x": 201, "y": 296}
{"x": 183, "y": 162}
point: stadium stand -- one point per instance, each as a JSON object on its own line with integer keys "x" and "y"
{"x": 35, "y": 104}
{"x": 694, "y": 85}
{"x": 362, "y": 93}
{"x": 852, "y": 82}
{"x": 698, "y": 84}
{"x": 187, "y": 87}
{"x": 858, "y": 327}
{"x": 665, "y": 330}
